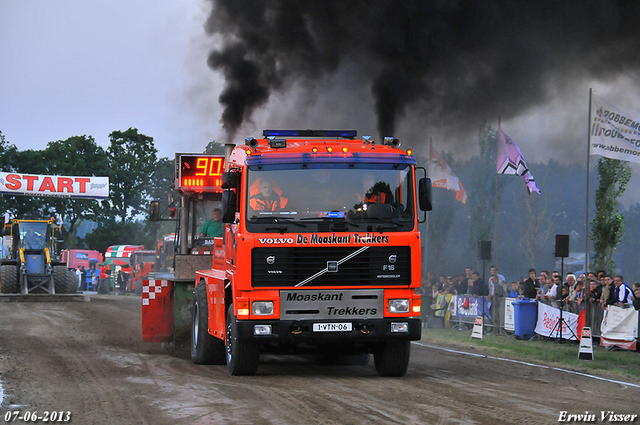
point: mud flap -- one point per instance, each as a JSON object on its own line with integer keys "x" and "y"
{"x": 157, "y": 310}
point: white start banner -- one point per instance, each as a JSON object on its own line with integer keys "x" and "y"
{"x": 59, "y": 186}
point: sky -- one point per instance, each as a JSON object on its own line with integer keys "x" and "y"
{"x": 91, "y": 67}
{"x": 75, "y": 67}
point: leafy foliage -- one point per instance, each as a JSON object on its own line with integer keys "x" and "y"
{"x": 135, "y": 176}
{"x": 132, "y": 159}
{"x": 482, "y": 188}
{"x": 607, "y": 227}
{"x": 117, "y": 233}
{"x": 441, "y": 219}
{"x": 537, "y": 232}
{"x": 78, "y": 155}
{"x": 214, "y": 147}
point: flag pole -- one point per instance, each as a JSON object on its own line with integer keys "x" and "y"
{"x": 586, "y": 235}
{"x": 495, "y": 232}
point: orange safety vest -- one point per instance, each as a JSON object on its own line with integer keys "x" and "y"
{"x": 260, "y": 204}
{"x": 274, "y": 204}
{"x": 372, "y": 198}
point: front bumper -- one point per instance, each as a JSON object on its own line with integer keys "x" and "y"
{"x": 301, "y": 331}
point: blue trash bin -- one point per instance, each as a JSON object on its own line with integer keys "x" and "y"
{"x": 525, "y": 314}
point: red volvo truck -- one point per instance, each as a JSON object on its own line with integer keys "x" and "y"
{"x": 321, "y": 253}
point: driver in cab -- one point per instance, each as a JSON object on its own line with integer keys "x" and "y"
{"x": 268, "y": 198}
{"x": 374, "y": 193}
{"x": 32, "y": 240}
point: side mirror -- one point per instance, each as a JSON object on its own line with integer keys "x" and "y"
{"x": 228, "y": 206}
{"x": 424, "y": 194}
{"x": 154, "y": 211}
{"x": 229, "y": 180}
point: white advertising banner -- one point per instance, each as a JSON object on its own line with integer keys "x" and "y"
{"x": 614, "y": 134}
{"x": 59, "y": 186}
{"x": 620, "y": 323}
{"x": 547, "y": 324}
{"x": 509, "y": 318}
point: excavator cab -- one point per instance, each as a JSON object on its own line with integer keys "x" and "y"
{"x": 32, "y": 265}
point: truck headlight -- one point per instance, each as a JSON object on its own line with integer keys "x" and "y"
{"x": 398, "y": 306}
{"x": 262, "y": 308}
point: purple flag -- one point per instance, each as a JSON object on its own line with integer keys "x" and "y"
{"x": 531, "y": 183}
{"x": 511, "y": 161}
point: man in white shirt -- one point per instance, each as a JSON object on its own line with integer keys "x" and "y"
{"x": 79, "y": 273}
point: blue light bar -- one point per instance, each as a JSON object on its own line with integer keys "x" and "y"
{"x": 311, "y": 133}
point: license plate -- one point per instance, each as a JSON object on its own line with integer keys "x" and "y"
{"x": 332, "y": 327}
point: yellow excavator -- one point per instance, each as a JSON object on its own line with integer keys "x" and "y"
{"x": 29, "y": 262}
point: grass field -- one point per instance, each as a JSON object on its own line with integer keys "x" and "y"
{"x": 620, "y": 364}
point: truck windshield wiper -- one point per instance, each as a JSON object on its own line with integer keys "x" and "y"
{"x": 331, "y": 219}
{"x": 395, "y": 220}
{"x": 278, "y": 219}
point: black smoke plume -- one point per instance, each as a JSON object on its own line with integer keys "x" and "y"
{"x": 451, "y": 59}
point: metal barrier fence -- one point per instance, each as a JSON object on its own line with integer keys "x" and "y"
{"x": 494, "y": 315}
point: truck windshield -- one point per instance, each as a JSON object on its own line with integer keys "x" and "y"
{"x": 334, "y": 193}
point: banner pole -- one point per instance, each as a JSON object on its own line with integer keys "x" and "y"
{"x": 587, "y": 315}
{"x": 586, "y": 236}
{"x": 495, "y": 231}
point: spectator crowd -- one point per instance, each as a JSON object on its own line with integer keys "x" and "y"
{"x": 573, "y": 292}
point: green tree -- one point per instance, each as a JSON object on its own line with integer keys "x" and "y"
{"x": 8, "y": 155}
{"x": 162, "y": 189}
{"x": 440, "y": 221}
{"x": 34, "y": 207}
{"x": 538, "y": 226}
{"x": 132, "y": 160}
{"x": 482, "y": 188}
{"x": 214, "y": 147}
{"x": 607, "y": 227}
{"x": 75, "y": 156}
{"x": 116, "y": 233}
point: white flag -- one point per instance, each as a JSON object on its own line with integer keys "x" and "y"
{"x": 442, "y": 176}
{"x": 614, "y": 134}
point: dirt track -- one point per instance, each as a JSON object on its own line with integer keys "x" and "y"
{"x": 88, "y": 358}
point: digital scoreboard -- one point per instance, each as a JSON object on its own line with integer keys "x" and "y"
{"x": 199, "y": 172}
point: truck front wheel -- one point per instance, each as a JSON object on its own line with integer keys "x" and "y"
{"x": 392, "y": 358}
{"x": 205, "y": 348}
{"x": 242, "y": 356}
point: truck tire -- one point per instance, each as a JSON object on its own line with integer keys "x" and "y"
{"x": 64, "y": 280}
{"x": 242, "y": 356}
{"x": 205, "y": 348}
{"x": 9, "y": 279}
{"x": 392, "y": 358}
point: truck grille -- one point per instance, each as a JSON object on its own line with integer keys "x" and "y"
{"x": 338, "y": 266}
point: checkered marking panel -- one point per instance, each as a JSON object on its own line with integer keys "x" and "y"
{"x": 152, "y": 289}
